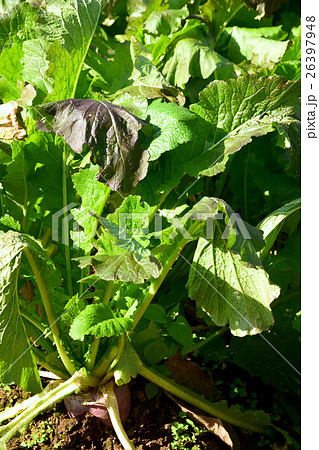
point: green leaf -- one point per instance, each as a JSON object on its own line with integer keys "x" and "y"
{"x": 273, "y": 223}
{"x": 274, "y": 356}
{"x": 10, "y": 72}
{"x": 139, "y": 10}
{"x": 17, "y": 363}
{"x": 155, "y": 351}
{"x": 126, "y": 267}
{"x": 130, "y": 78}
{"x": 165, "y": 22}
{"x": 259, "y": 357}
{"x": 30, "y": 180}
{"x": 140, "y": 339}
{"x": 229, "y": 290}
{"x": 192, "y": 55}
{"x": 182, "y": 136}
{"x": 128, "y": 366}
{"x": 220, "y": 12}
{"x": 17, "y": 23}
{"x": 35, "y": 65}
{"x": 110, "y": 131}
{"x": 22, "y": 196}
{"x": 226, "y": 278}
{"x": 290, "y": 65}
{"x": 257, "y": 419}
{"x": 73, "y": 308}
{"x": 129, "y": 226}
{"x": 251, "y": 420}
{"x": 98, "y": 320}
{"x": 7, "y": 5}
{"x": 156, "y": 313}
{"x": 181, "y": 331}
{"x": 93, "y": 194}
{"x": 256, "y": 46}
{"x": 148, "y": 79}
{"x": 7, "y": 222}
{"x": 240, "y": 109}
{"x": 112, "y": 74}
{"x": 176, "y": 126}
{"x": 70, "y": 26}
{"x": 241, "y": 237}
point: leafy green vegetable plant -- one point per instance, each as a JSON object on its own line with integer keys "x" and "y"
{"x": 112, "y": 149}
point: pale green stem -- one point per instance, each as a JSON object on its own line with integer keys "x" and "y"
{"x": 113, "y": 410}
{"x": 108, "y": 293}
{"x": 155, "y": 285}
{"x": 45, "y": 238}
{"x": 65, "y": 230}
{"x": 96, "y": 341}
{"x": 113, "y": 363}
{"x": 22, "y": 406}
{"x": 99, "y": 213}
{"x": 25, "y": 204}
{"x": 71, "y": 368}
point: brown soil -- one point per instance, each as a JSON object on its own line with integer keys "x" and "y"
{"x": 149, "y": 426}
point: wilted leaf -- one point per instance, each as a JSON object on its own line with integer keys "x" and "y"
{"x": 111, "y": 133}
{"x": 224, "y": 432}
{"x": 28, "y": 93}
{"x": 27, "y": 291}
{"x": 10, "y": 129}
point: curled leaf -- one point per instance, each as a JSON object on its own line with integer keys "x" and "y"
{"x": 110, "y": 131}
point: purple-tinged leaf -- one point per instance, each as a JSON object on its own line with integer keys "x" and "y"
{"x": 110, "y": 131}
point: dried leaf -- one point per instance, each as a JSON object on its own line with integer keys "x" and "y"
{"x": 10, "y": 129}
{"x": 39, "y": 310}
{"x": 27, "y": 291}
{"x": 224, "y": 432}
{"x": 190, "y": 375}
